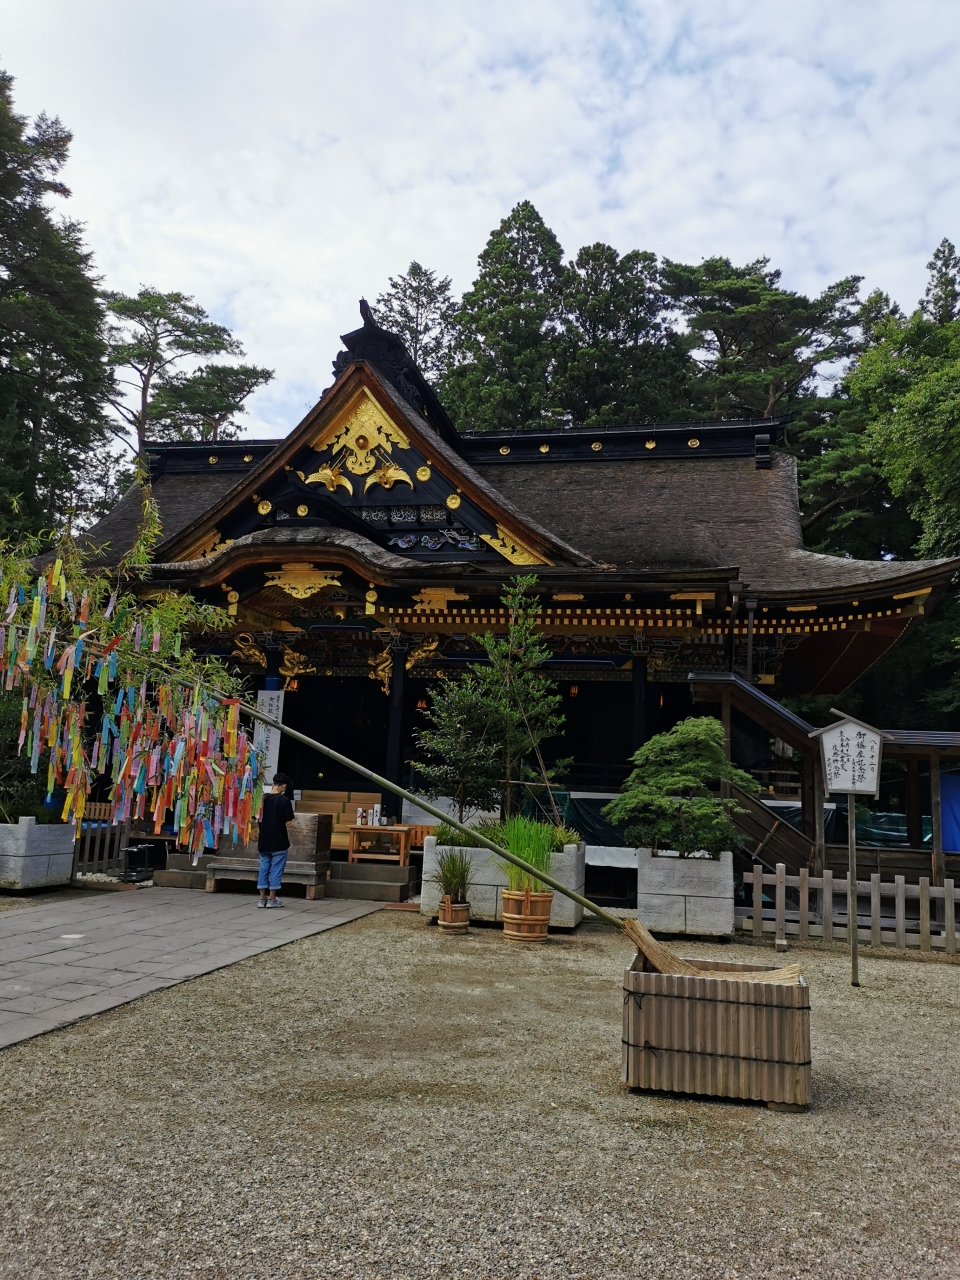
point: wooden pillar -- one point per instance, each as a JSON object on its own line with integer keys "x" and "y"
{"x": 938, "y": 867}
{"x": 395, "y": 722}
{"x": 914, "y": 822}
{"x": 639, "y": 723}
{"x": 819, "y": 842}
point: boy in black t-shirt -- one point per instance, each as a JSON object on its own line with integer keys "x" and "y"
{"x": 274, "y": 840}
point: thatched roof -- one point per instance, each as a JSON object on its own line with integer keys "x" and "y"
{"x": 707, "y": 512}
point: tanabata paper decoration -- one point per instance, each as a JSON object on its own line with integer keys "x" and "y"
{"x": 173, "y": 750}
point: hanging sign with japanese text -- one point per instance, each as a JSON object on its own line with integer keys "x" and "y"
{"x": 851, "y": 758}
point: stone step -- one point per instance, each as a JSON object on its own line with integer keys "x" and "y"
{"x": 184, "y": 861}
{"x": 368, "y": 890}
{"x": 381, "y": 871}
{"x": 178, "y": 879}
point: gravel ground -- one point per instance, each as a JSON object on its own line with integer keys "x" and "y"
{"x": 383, "y": 1101}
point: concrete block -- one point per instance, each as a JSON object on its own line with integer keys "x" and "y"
{"x": 686, "y": 895}
{"x": 33, "y": 857}
{"x": 490, "y": 879}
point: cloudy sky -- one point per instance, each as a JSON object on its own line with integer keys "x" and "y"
{"x": 280, "y": 158}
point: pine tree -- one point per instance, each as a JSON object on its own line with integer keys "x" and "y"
{"x": 151, "y": 336}
{"x": 53, "y": 383}
{"x": 667, "y": 801}
{"x": 759, "y": 348}
{"x": 421, "y": 310}
{"x": 508, "y": 330}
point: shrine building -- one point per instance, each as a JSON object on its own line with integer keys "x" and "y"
{"x": 361, "y": 556}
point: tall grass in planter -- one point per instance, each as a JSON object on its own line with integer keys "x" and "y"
{"x": 526, "y": 900}
{"x": 452, "y": 877}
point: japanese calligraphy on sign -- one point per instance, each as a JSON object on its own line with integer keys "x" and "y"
{"x": 851, "y": 758}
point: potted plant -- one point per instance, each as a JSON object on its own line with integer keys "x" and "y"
{"x": 526, "y": 900}
{"x": 452, "y": 877}
{"x": 683, "y": 828}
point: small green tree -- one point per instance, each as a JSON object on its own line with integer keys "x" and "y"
{"x": 524, "y": 706}
{"x": 485, "y": 726}
{"x": 460, "y": 756}
{"x": 667, "y": 802}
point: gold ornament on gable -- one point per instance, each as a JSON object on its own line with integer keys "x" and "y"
{"x": 330, "y": 477}
{"x": 512, "y": 548}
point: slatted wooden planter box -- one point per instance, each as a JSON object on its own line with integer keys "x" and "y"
{"x": 719, "y": 1035}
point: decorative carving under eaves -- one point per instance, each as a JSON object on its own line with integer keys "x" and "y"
{"x": 382, "y": 667}
{"x": 302, "y": 580}
{"x": 422, "y": 651}
{"x": 247, "y": 650}
{"x": 512, "y": 548}
{"x": 294, "y": 664}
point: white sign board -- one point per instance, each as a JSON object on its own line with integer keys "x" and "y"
{"x": 270, "y": 702}
{"x": 851, "y": 758}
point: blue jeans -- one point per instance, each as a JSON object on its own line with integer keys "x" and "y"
{"x": 271, "y": 870}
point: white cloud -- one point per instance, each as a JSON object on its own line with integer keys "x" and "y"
{"x": 279, "y": 158}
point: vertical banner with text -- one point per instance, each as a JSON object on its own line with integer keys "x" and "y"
{"x": 270, "y": 702}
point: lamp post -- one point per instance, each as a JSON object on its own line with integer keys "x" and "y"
{"x": 851, "y": 753}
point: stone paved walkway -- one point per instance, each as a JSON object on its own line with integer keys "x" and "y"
{"x": 63, "y": 961}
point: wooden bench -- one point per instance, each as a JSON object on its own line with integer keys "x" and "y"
{"x": 307, "y": 861}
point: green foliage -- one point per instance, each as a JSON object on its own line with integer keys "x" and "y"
{"x": 204, "y": 405}
{"x": 151, "y": 334}
{"x": 909, "y": 383}
{"x": 523, "y": 706}
{"x": 53, "y": 383}
{"x": 941, "y": 299}
{"x": 420, "y": 308}
{"x": 667, "y": 802}
{"x": 508, "y": 328}
{"x": 757, "y": 347}
{"x": 618, "y": 360}
{"x": 485, "y": 727}
{"x": 453, "y": 875}
{"x": 532, "y": 841}
{"x": 460, "y": 756}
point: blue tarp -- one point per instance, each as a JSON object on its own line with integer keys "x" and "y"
{"x": 950, "y": 805}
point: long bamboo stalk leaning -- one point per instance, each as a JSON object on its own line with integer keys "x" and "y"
{"x": 660, "y": 958}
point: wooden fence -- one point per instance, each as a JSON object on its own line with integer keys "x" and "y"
{"x": 889, "y": 912}
{"x": 99, "y": 842}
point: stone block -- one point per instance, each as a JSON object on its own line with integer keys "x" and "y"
{"x": 686, "y": 895}
{"x": 490, "y": 879}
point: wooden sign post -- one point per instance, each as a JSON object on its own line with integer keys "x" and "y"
{"x": 851, "y": 765}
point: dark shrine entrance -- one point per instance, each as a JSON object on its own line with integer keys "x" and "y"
{"x": 346, "y": 713}
{"x": 603, "y": 726}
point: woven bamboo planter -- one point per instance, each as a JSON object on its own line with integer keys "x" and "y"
{"x": 526, "y": 915}
{"x": 719, "y": 1035}
{"x": 453, "y": 917}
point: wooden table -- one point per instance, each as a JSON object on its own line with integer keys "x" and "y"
{"x": 380, "y": 844}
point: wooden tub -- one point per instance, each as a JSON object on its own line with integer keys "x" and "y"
{"x": 719, "y": 1035}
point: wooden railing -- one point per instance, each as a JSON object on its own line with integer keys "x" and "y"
{"x": 933, "y": 926}
{"x": 99, "y": 842}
